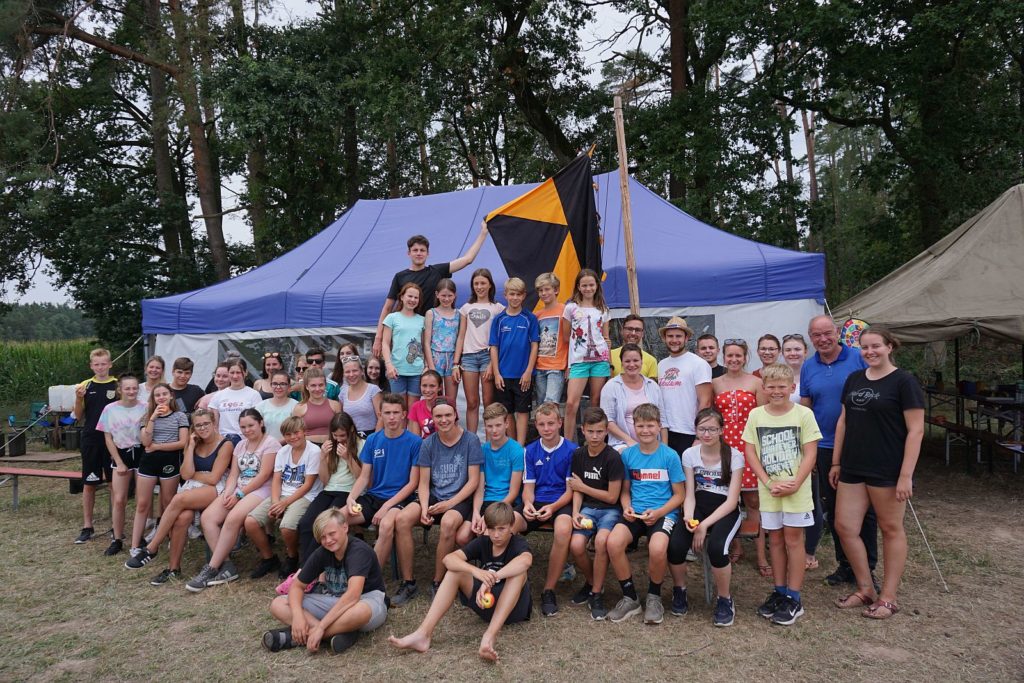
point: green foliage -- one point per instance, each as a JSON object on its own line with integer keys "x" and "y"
{"x": 44, "y": 322}
{"x": 28, "y": 368}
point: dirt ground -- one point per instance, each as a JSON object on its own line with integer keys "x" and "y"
{"x": 71, "y": 614}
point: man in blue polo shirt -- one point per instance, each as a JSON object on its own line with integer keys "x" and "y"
{"x": 821, "y": 389}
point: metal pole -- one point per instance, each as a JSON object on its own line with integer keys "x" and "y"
{"x": 627, "y": 211}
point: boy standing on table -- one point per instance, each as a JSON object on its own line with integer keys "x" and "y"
{"x": 91, "y": 397}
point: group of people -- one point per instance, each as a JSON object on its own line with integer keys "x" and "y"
{"x": 677, "y": 451}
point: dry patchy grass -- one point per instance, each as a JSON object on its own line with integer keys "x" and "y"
{"x": 71, "y": 614}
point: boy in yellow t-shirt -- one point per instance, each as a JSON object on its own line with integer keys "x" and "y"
{"x": 781, "y": 446}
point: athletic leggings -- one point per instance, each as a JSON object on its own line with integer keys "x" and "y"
{"x": 324, "y": 500}
{"x": 718, "y": 537}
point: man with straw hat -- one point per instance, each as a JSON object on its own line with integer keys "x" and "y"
{"x": 685, "y": 381}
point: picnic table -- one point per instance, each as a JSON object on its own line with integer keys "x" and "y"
{"x": 973, "y": 419}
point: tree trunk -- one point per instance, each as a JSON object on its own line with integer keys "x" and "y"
{"x": 204, "y": 44}
{"x": 679, "y": 34}
{"x": 787, "y": 155}
{"x": 812, "y": 169}
{"x": 350, "y": 143}
{"x": 394, "y": 190}
{"x": 207, "y": 182}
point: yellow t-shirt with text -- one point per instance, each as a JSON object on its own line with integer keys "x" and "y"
{"x": 778, "y": 440}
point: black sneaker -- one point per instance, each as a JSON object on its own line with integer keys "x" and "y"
{"x": 140, "y": 560}
{"x": 841, "y": 575}
{"x": 165, "y": 576}
{"x": 288, "y": 567}
{"x": 116, "y": 546}
{"x": 725, "y": 613}
{"x": 85, "y": 536}
{"x": 406, "y": 592}
{"x": 767, "y": 609}
{"x": 265, "y": 566}
{"x": 680, "y": 606}
{"x": 343, "y": 641}
{"x": 434, "y": 586}
{"x": 598, "y": 611}
{"x": 788, "y": 612}
{"x": 582, "y": 596}
{"x": 278, "y": 639}
{"x": 548, "y": 603}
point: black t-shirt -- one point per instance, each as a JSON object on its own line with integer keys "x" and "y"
{"x": 717, "y": 371}
{"x": 427, "y": 279}
{"x": 480, "y": 551}
{"x": 876, "y": 430}
{"x": 359, "y": 560}
{"x": 97, "y": 396}
{"x": 187, "y": 397}
{"x": 597, "y": 472}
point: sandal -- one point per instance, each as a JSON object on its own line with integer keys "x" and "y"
{"x": 735, "y": 557}
{"x": 856, "y": 599}
{"x": 811, "y": 563}
{"x": 875, "y": 610}
{"x": 765, "y": 570}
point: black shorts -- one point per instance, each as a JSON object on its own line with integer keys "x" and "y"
{"x": 513, "y": 397}
{"x": 131, "y": 457}
{"x": 679, "y": 442}
{"x": 160, "y": 464}
{"x": 521, "y": 612}
{"x": 637, "y": 528}
{"x": 877, "y": 482}
{"x": 95, "y": 459}
{"x": 373, "y": 504}
{"x": 465, "y": 508}
{"x": 534, "y": 524}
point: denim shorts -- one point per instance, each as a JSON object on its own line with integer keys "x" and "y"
{"x": 549, "y": 384}
{"x": 604, "y": 518}
{"x": 594, "y": 368}
{"x": 406, "y": 384}
{"x": 476, "y": 361}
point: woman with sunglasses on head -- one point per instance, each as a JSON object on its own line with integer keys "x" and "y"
{"x": 794, "y": 352}
{"x": 279, "y": 406}
{"x": 315, "y": 409}
{"x": 344, "y": 351}
{"x": 768, "y": 349}
{"x": 737, "y": 392}
{"x": 204, "y": 471}
{"x": 360, "y": 398}
{"x": 271, "y": 364}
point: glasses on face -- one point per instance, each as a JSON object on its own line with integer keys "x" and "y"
{"x": 708, "y": 430}
{"x": 315, "y": 361}
{"x": 767, "y": 349}
{"x": 301, "y": 369}
{"x": 272, "y": 354}
{"x": 787, "y": 337}
{"x": 635, "y": 330}
{"x": 201, "y": 425}
{"x": 279, "y": 384}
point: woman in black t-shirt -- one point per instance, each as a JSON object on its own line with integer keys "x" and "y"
{"x": 878, "y": 440}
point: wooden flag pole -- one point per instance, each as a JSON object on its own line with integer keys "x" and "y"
{"x": 627, "y": 211}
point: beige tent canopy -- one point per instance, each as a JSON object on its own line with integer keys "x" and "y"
{"x": 972, "y": 279}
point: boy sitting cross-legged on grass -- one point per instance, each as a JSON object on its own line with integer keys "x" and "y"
{"x": 652, "y": 492}
{"x": 781, "y": 448}
{"x": 489, "y": 577}
{"x": 596, "y": 484}
{"x": 346, "y": 601}
{"x": 547, "y": 498}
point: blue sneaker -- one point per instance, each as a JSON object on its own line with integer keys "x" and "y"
{"x": 725, "y": 613}
{"x": 679, "y": 604}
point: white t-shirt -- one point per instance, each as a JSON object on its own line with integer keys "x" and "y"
{"x": 678, "y": 377}
{"x": 710, "y": 478}
{"x": 293, "y": 475}
{"x": 479, "y": 317}
{"x": 229, "y": 403}
{"x": 586, "y": 336}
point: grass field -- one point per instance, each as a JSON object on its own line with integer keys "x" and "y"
{"x": 72, "y": 614}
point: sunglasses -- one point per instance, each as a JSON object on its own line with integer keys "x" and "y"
{"x": 315, "y": 361}
{"x": 735, "y": 342}
{"x": 301, "y": 368}
{"x": 787, "y": 337}
{"x": 349, "y": 359}
{"x": 272, "y": 354}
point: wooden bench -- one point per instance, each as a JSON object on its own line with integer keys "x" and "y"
{"x": 16, "y": 472}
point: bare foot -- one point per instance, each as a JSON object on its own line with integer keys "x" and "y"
{"x": 487, "y": 651}
{"x": 413, "y": 641}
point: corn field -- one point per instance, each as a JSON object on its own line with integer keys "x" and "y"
{"x": 28, "y": 369}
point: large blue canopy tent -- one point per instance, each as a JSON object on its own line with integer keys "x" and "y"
{"x": 335, "y": 283}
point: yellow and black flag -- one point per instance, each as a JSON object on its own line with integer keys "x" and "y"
{"x": 552, "y": 228}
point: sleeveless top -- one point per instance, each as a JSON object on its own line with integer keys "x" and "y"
{"x": 204, "y": 463}
{"x": 444, "y": 332}
{"x": 318, "y": 418}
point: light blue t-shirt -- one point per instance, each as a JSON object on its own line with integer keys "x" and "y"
{"x": 498, "y": 468}
{"x": 449, "y": 465}
{"x": 391, "y": 459}
{"x": 651, "y": 477}
{"x": 406, "y": 343}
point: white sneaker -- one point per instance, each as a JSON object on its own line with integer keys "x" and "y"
{"x": 194, "y": 532}
{"x": 132, "y": 552}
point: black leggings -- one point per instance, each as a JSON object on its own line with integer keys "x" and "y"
{"x": 717, "y": 539}
{"x": 325, "y": 500}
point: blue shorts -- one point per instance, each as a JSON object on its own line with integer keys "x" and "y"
{"x": 443, "y": 362}
{"x": 594, "y": 368}
{"x": 476, "y": 361}
{"x": 604, "y": 518}
{"x": 406, "y": 384}
{"x": 549, "y": 384}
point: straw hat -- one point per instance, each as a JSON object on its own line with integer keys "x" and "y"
{"x": 675, "y": 323}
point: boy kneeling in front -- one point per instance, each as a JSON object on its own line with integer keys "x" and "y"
{"x": 489, "y": 577}
{"x": 348, "y": 598}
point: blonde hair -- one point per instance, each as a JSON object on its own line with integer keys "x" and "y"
{"x": 515, "y": 284}
{"x": 96, "y": 353}
{"x": 499, "y": 514}
{"x": 549, "y": 408}
{"x": 646, "y": 412}
{"x": 326, "y": 517}
{"x": 495, "y": 410}
{"x": 546, "y": 280}
{"x": 293, "y": 424}
{"x": 776, "y": 372}
{"x": 311, "y": 373}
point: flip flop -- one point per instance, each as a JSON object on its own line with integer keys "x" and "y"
{"x": 875, "y": 610}
{"x": 854, "y": 600}
{"x": 765, "y": 570}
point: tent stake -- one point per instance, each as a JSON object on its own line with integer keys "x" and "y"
{"x": 627, "y": 211}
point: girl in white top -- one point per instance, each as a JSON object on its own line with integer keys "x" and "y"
{"x": 472, "y": 362}
{"x": 585, "y": 325}
{"x": 360, "y": 398}
{"x": 154, "y": 373}
{"x": 121, "y": 424}
{"x": 229, "y": 403}
{"x": 279, "y": 406}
